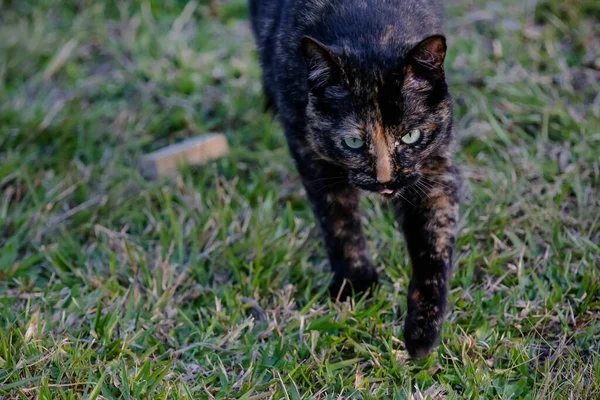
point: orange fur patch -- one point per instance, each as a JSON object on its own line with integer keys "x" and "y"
{"x": 384, "y": 163}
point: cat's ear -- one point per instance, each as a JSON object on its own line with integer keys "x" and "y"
{"x": 323, "y": 65}
{"x": 427, "y": 58}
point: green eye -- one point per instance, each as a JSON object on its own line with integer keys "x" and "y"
{"x": 354, "y": 142}
{"x": 412, "y": 136}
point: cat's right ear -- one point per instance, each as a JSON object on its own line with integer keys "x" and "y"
{"x": 427, "y": 58}
{"x": 323, "y": 66}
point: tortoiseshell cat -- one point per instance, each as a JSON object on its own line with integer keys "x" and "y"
{"x": 359, "y": 87}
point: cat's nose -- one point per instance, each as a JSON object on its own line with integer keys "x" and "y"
{"x": 384, "y": 169}
{"x": 383, "y": 178}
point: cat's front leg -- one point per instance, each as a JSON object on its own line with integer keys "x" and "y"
{"x": 430, "y": 225}
{"x": 336, "y": 206}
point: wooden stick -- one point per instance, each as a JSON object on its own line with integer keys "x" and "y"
{"x": 195, "y": 151}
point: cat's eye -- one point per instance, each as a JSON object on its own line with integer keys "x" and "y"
{"x": 354, "y": 142}
{"x": 412, "y": 136}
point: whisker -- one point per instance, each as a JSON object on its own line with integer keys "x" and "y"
{"x": 328, "y": 186}
{"x": 422, "y": 192}
{"x": 435, "y": 182}
{"x": 426, "y": 184}
{"x": 426, "y": 187}
{"x": 341, "y": 177}
{"x": 413, "y": 190}
{"x": 405, "y": 199}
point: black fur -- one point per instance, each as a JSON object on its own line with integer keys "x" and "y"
{"x": 369, "y": 72}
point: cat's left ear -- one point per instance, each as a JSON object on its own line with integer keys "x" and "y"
{"x": 323, "y": 65}
{"x": 427, "y": 58}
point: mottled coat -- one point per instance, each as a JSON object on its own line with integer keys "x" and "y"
{"x": 360, "y": 89}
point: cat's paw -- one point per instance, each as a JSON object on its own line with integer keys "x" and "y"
{"x": 421, "y": 336}
{"x": 362, "y": 280}
{"x": 420, "y": 346}
{"x": 426, "y": 307}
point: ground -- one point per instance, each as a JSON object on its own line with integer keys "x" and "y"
{"x": 212, "y": 284}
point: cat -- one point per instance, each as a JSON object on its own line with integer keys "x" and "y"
{"x": 360, "y": 90}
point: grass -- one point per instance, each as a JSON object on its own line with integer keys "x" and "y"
{"x": 212, "y": 285}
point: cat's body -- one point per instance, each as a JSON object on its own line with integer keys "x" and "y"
{"x": 360, "y": 90}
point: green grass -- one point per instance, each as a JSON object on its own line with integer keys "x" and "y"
{"x": 212, "y": 285}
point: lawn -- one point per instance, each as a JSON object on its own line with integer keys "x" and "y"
{"x": 212, "y": 284}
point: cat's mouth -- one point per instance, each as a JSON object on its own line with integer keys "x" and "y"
{"x": 382, "y": 190}
{"x": 391, "y": 191}
{"x": 387, "y": 192}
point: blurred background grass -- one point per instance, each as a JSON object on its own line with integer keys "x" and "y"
{"x": 211, "y": 285}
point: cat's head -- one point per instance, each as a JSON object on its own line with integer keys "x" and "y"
{"x": 384, "y": 122}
